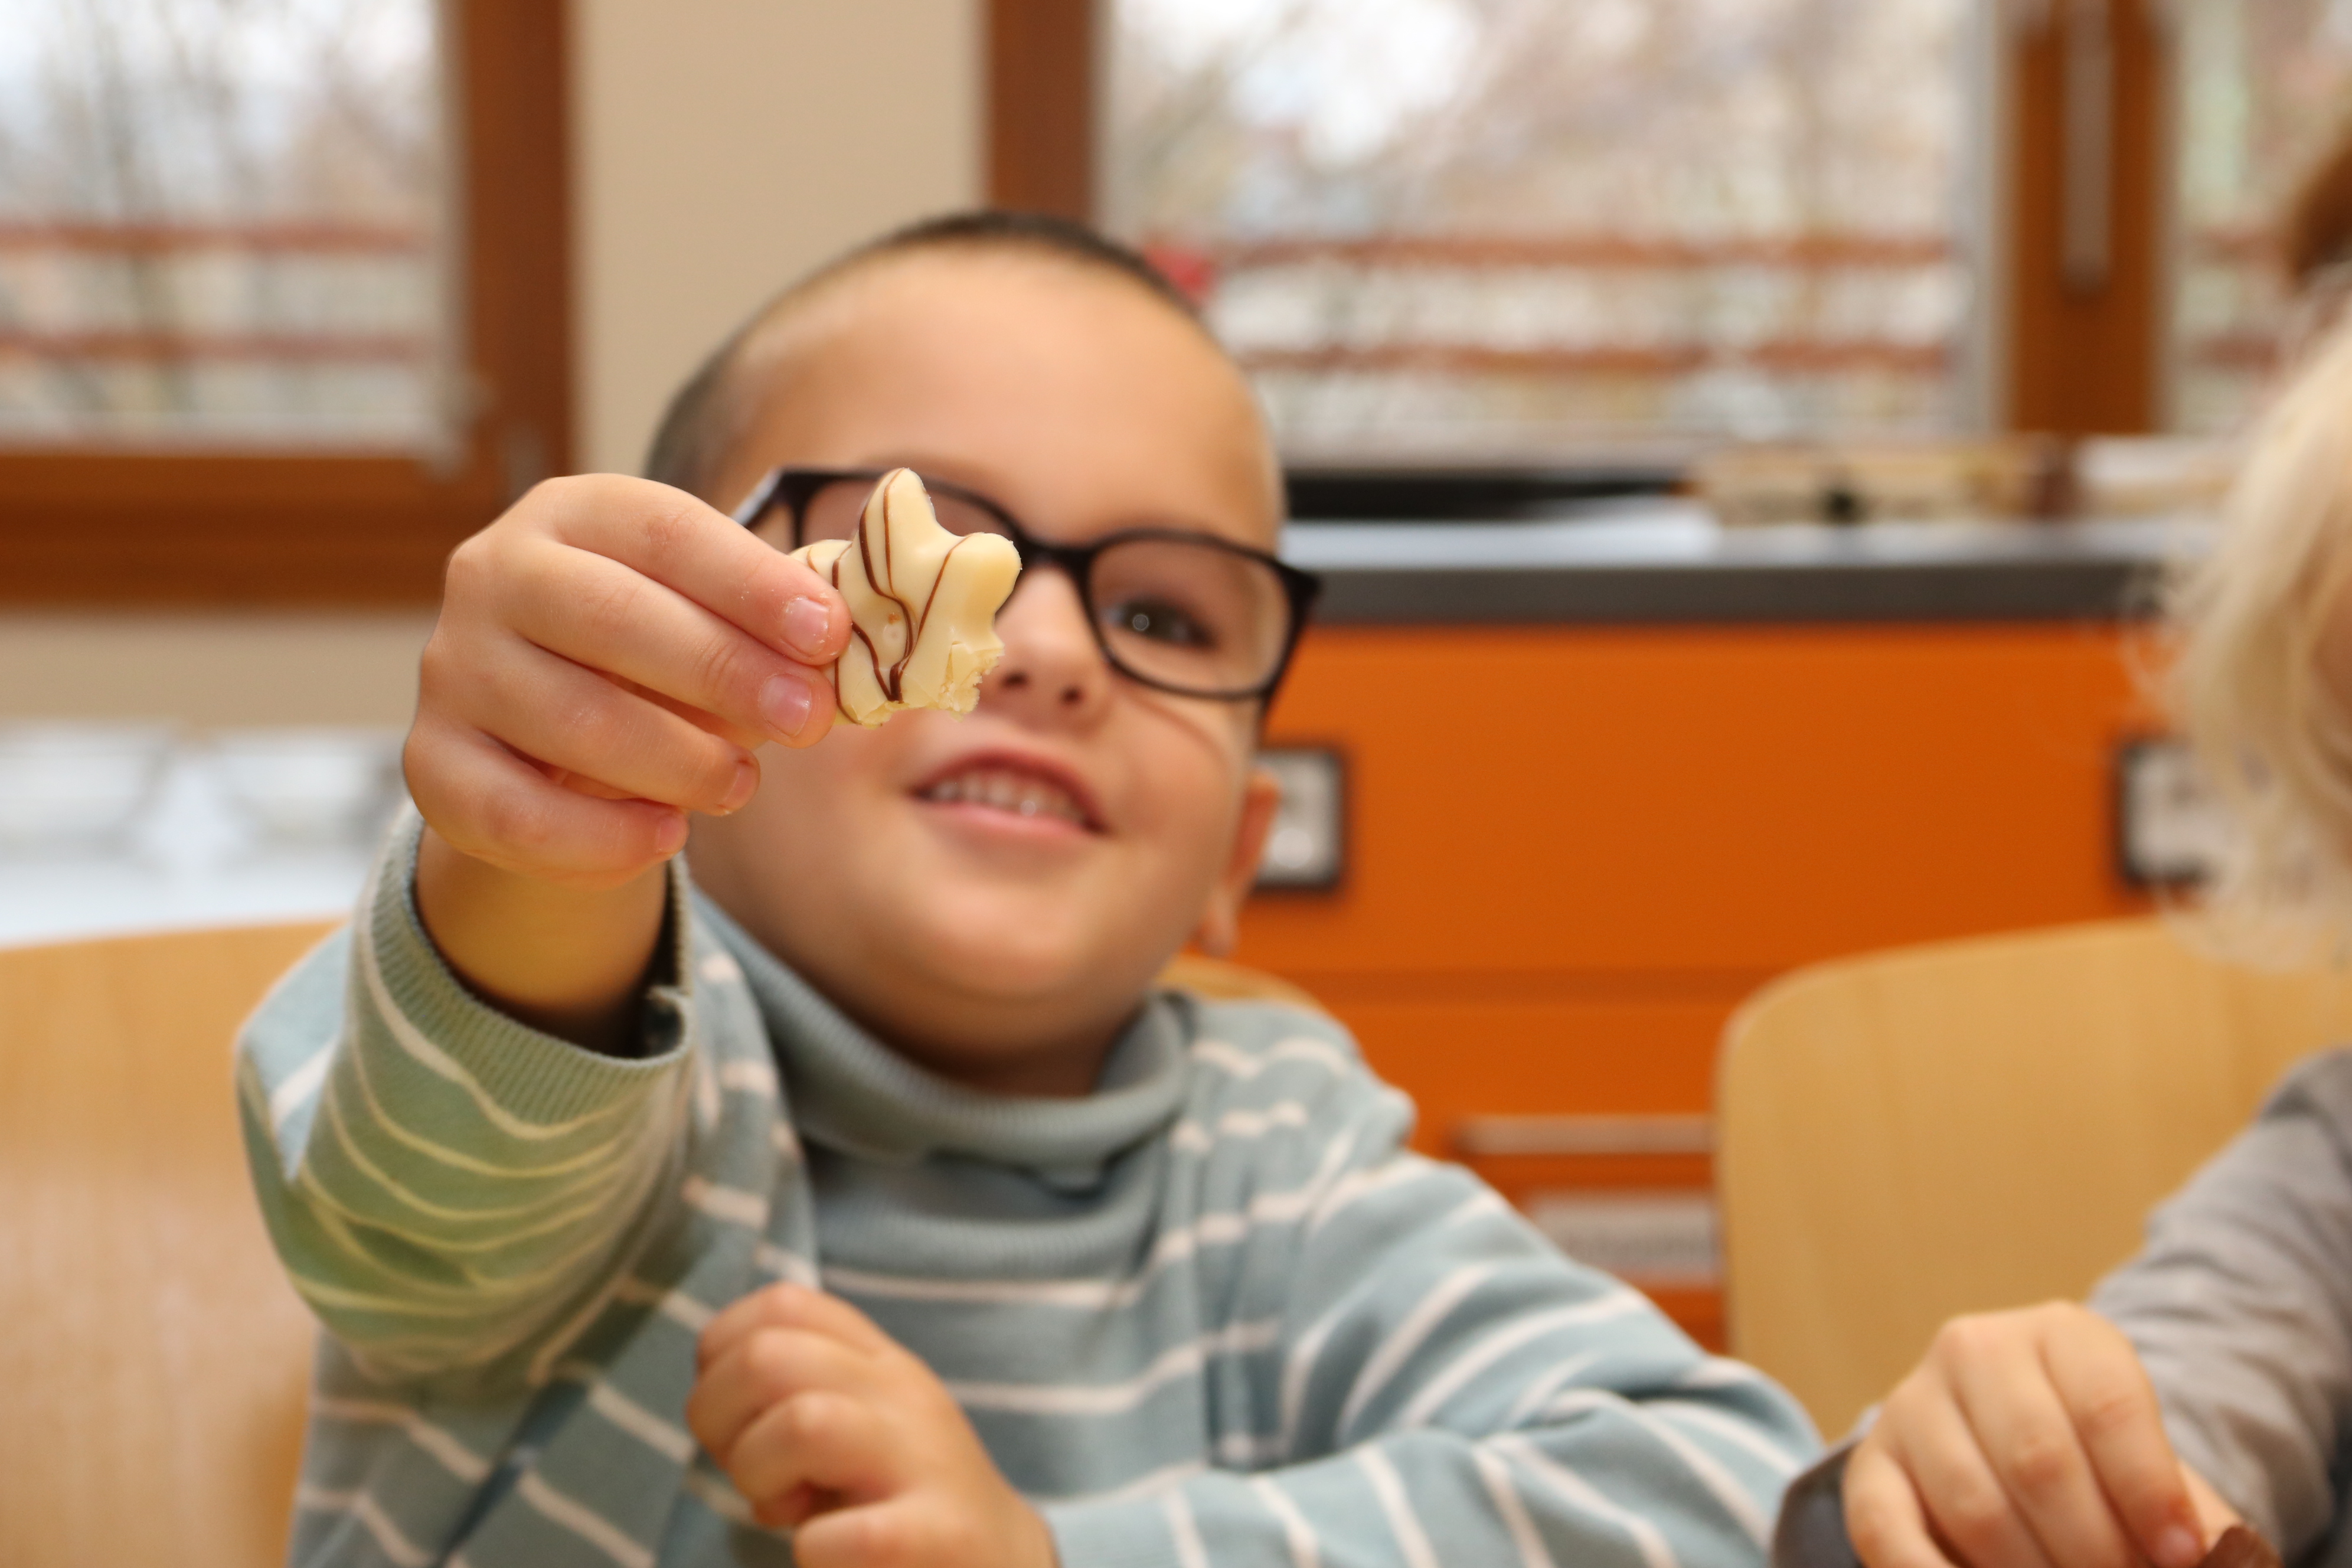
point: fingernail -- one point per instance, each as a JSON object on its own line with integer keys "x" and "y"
{"x": 2177, "y": 1546}
{"x": 806, "y": 622}
{"x": 740, "y": 788}
{"x": 785, "y": 703}
{"x": 669, "y": 834}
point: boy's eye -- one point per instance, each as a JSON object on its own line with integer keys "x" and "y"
{"x": 1160, "y": 621}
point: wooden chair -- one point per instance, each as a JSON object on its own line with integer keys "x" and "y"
{"x": 1978, "y": 1124}
{"x": 153, "y": 1358}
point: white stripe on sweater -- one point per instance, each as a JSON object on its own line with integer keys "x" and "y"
{"x": 718, "y": 1494}
{"x": 1193, "y": 1138}
{"x": 1506, "y": 1337}
{"x": 1297, "y": 1533}
{"x": 363, "y": 1507}
{"x": 732, "y": 1204}
{"x": 295, "y": 1089}
{"x": 1174, "y": 1245}
{"x": 664, "y": 1437}
{"x": 1389, "y": 1358}
{"x": 1514, "y": 1509}
{"x": 1581, "y": 1495}
{"x": 769, "y": 1258}
{"x": 1710, "y": 1472}
{"x": 1185, "y": 1531}
{"x": 1544, "y": 1387}
{"x": 457, "y": 1159}
{"x": 1110, "y": 1398}
{"x": 1234, "y": 1062}
{"x": 582, "y": 1521}
{"x": 441, "y": 1064}
{"x": 675, "y": 1305}
{"x": 1716, "y": 1424}
{"x": 453, "y": 1456}
{"x": 748, "y": 1076}
{"x": 1404, "y": 1523}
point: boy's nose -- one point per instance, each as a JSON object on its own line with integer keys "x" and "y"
{"x": 1052, "y": 663}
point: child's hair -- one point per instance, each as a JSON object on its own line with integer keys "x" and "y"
{"x": 704, "y": 416}
{"x": 2275, "y": 740}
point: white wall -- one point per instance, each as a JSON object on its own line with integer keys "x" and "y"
{"x": 720, "y": 148}
{"x": 730, "y": 146}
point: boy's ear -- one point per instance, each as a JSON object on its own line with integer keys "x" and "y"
{"x": 1221, "y": 922}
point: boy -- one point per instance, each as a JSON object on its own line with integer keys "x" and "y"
{"x": 860, "y": 1201}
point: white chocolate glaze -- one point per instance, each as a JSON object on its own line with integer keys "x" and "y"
{"x": 923, "y": 603}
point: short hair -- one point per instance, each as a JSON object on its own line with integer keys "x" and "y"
{"x": 2275, "y": 739}
{"x": 705, "y": 414}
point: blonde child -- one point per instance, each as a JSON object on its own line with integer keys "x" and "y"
{"x": 859, "y": 1200}
{"x": 2211, "y": 1378}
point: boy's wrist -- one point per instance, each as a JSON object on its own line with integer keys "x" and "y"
{"x": 573, "y": 962}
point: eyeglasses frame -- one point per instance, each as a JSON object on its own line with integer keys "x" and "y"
{"x": 793, "y": 487}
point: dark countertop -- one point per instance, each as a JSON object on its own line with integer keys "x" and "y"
{"x": 1668, "y": 561}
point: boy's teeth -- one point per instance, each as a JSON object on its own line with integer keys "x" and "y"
{"x": 1024, "y": 794}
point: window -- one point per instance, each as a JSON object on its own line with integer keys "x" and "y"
{"x": 1481, "y": 229}
{"x": 221, "y": 224}
{"x": 283, "y": 302}
{"x": 2262, "y": 90}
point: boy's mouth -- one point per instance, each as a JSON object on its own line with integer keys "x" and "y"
{"x": 1019, "y": 789}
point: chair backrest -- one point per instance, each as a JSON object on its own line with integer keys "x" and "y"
{"x": 1975, "y": 1125}
{"x": 152, "y": 1359}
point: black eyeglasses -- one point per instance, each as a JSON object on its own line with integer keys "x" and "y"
{"x": 1181, "y": 612}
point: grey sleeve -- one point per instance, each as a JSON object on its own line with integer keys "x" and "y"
{"x": 2240, "y": 1306}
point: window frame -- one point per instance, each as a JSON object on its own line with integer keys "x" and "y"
{"x": 94, "y": 526}
{"x": 2063, "y": 361}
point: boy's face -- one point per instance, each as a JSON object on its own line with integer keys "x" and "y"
{"x": 1000, "y": 946}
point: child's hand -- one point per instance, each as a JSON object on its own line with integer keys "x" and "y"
{"x": 2027, "y": 1439}
{"x": 609, "y": 654}
{"x": 833, "y": 1431}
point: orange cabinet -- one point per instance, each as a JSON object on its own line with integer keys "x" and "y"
{"x": 1573, "y": 849}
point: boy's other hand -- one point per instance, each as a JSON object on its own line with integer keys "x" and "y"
{"x": 831, "y": 1430}
{"x": 609, "y": 655}
{"x": 2027, "y": 1439}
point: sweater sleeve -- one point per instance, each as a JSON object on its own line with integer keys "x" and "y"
{"x": 450, "y": 1190}
{"x": 1454, "y": 1389}
{"x": 2241, "y": 1307}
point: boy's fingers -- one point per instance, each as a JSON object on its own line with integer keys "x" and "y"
{"x": 1964, "y": 1502}
{"x": 770, "y": 1366}
{"x": 598, "y": 613}
{"x": 794, "y": 1307}
{"x": 557, "y": 713}
{"x": 814, "y": 1443}
{"x": 2113, "y": 1407}
{"x": 1883, "y": 1517}
{"x": 492, "y": 805}
{"x": 671, "y": 537}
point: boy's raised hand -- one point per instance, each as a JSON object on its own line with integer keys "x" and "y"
{"x": 831, "y": 1430}
{"x": 2027, "y": 1439}
{"x": 608, "y": 655}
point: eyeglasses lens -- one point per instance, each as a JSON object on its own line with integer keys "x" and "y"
{"x": 1189, "y": 617}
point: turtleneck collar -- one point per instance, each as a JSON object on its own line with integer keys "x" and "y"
{"x": 852, "y": 1093}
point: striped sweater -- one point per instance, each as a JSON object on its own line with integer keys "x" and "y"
{"x": 1216, "y": 1312}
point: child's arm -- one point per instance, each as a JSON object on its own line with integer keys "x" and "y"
{"x": 450, "y": 1179}
{"x": 609, "y": 655}
{"x": 2240, "y": 1307}
{"x": 449, "y": 1188}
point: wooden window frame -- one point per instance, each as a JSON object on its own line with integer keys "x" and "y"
{"x": 2078, "y": 360}
{"x": 100, "y": 528}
